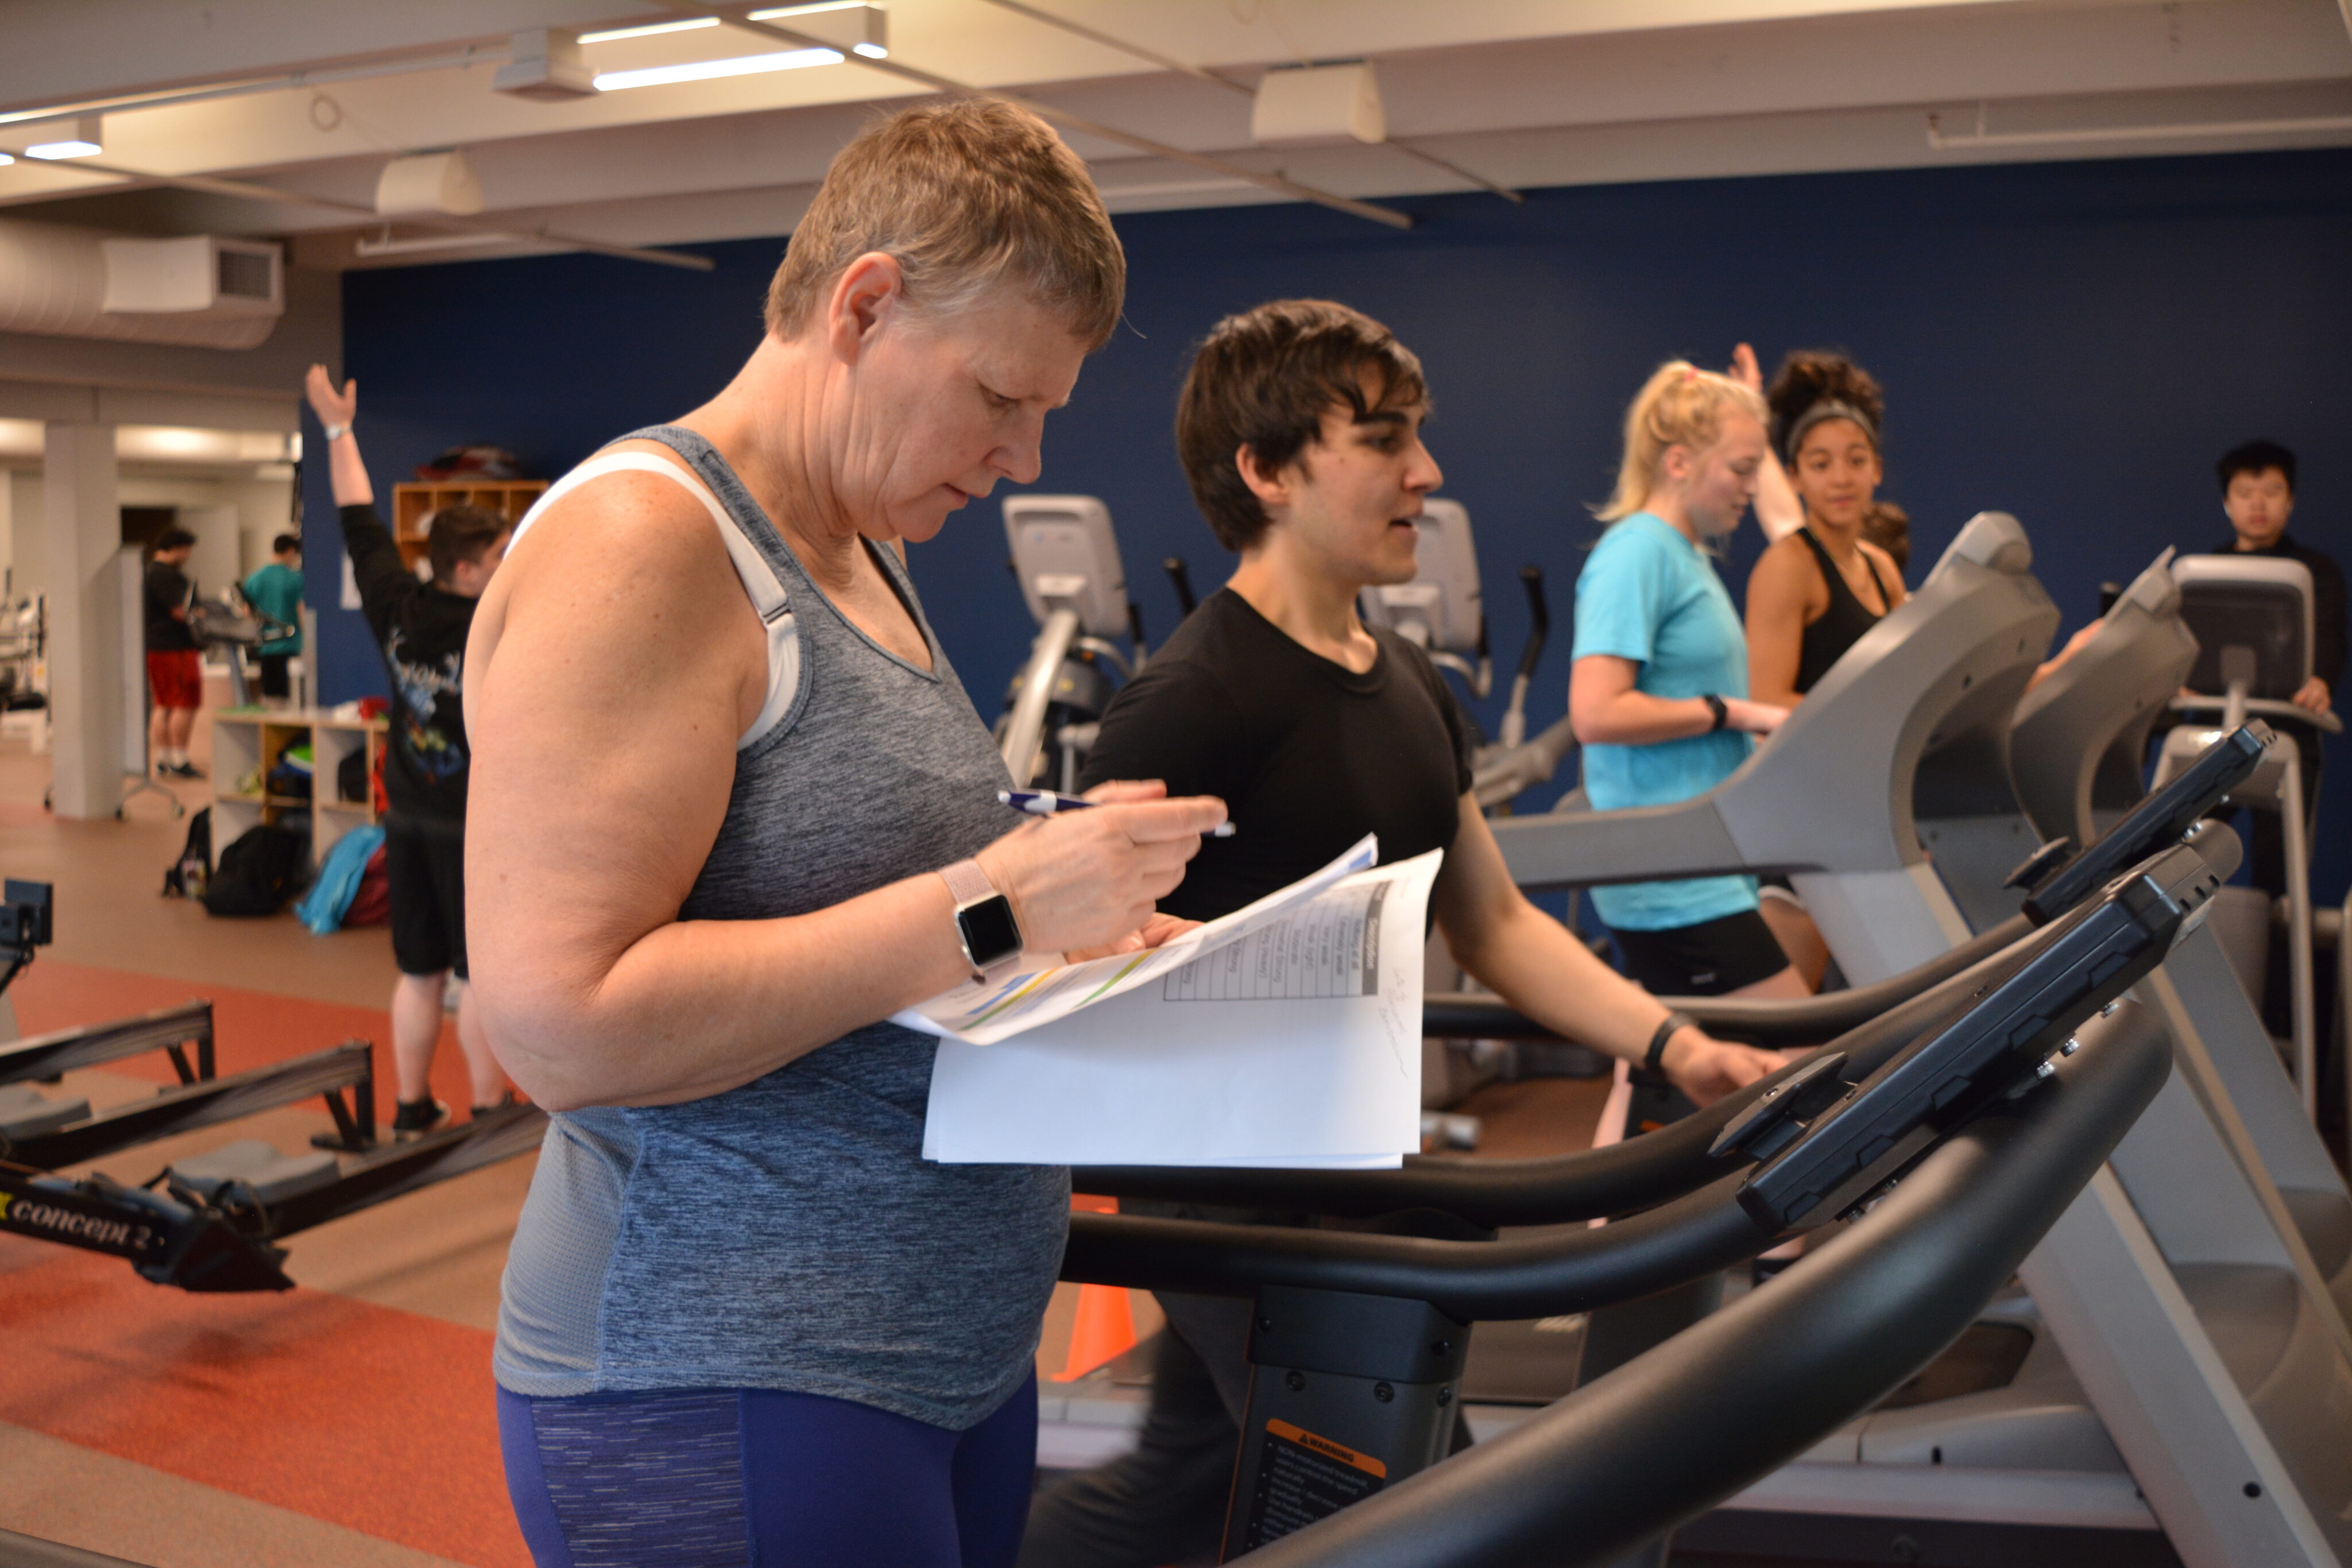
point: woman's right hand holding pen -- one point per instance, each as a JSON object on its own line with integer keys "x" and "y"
{"x": 1082, "y": 882}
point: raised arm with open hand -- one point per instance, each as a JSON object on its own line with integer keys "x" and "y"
{"x": 336, "y": 409}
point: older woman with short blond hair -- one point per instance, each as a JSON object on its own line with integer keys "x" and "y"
{"x": 730, "y": 812}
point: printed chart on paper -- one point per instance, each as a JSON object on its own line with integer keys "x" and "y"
{"x": 1328, "y": 948}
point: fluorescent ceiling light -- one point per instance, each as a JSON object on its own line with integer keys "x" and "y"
{"x": 77, "y": 138}
{"x": 612, "y": 34}
{"x": 778, "y": 13}
{"x": 5, "y": 160}
{"x": 707, "y": 70}
{"x": 871, "y": 51}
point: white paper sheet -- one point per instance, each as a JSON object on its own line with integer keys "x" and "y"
{"x": 1297, "y": 1042}
{"x": 983, "y": 1015}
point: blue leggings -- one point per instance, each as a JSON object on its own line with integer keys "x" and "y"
{"x": 753, "y": 1479}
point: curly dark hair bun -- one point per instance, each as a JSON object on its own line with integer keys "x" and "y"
{"x": 1809, "y": 376}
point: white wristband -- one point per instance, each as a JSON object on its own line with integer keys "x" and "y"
{"x": 337, "y": 431}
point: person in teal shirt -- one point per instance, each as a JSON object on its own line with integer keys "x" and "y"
{"x": 275, "y": 591}
{"x": 1658, "y": 693}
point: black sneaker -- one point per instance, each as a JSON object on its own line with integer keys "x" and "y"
{"x": 415, "y": 1118}
{"x": 504, "y": 1102}
{"x": 183, "y": 771}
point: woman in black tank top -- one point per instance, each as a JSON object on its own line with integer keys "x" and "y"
{"x": 1840, "y": 626}
{"x": 1819, "y": 587}
{"x": 1818, "y": 590}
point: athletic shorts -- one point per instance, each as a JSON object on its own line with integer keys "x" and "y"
{"x": 277, "y": 675}
{"x": 726, "y": 1478}
{"x": 177, "y": 678}
{"x": 1709, "y": 959}
{"x": 425, "y": 864}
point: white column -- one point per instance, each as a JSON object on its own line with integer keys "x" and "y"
{"x": 82, "y": 527}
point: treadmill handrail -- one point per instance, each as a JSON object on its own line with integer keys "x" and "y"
{"x": 2271, "y": 708}
{"x": 1566, "y": 1269}
{"x": 1569, "y": 1270}
{"x": 1676, "y": 1431}
{"x": 1808, "y": 1020}
{"x": 1556, "y": 1189}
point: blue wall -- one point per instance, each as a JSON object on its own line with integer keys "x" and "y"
{"x": 2072, "y": 342}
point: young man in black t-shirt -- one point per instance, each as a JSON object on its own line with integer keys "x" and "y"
{"x": 421, "y": 628}
{"x": 1299, "y": 429}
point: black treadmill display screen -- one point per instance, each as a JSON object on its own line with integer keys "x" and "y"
{"x": 2155, "y": 823}
{"x": 1998, "y": 1046}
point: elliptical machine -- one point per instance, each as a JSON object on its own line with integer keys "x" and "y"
{"x": 1442, "y": 611}
{"x": 1065, "y": 555}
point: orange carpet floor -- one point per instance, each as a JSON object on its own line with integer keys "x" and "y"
{"x": 363, "y": 1416}
{"x": 250, "y": 1028}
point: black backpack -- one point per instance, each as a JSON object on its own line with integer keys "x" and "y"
{"x": 257, "y": 874}
{"x": 186, "y": 876}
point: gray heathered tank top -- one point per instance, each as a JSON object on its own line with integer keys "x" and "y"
{"x": 788, "y": 1234}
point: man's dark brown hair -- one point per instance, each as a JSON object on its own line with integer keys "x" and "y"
{"x": 1262, "y": 380}
{"x": 460, "y": 534}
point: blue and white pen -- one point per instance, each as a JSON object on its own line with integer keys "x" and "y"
{"x": 1047, "y": 802}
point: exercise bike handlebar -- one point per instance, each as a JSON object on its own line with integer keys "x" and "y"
{"x": 1531, "y": 579}
{"x": 1685, "y": 1425}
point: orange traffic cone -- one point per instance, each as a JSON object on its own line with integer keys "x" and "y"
{"x": 1105, "y": 1326}
{"x": 1105, "y": 1330}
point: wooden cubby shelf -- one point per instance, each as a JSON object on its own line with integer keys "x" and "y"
{"x": 414, "y": 504}
{"x": 248, "y": 741}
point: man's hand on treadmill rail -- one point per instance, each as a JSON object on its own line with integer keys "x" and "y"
{"x": 1708, "y": 1069}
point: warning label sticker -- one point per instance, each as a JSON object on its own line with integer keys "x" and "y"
{"x": 1302, "y": 1478}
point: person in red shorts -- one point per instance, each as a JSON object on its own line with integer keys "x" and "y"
{"x": 175, "y": 674}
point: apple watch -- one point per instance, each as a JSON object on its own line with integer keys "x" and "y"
{"x": 984, "y": 922}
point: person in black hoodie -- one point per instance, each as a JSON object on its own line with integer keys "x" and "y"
{"x": 421, "y": 628}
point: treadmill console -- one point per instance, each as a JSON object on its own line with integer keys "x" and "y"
{"x": 2163, "y": 818}
{"x": 1827, "y": 1145}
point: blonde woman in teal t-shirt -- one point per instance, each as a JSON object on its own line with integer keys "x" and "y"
{"x": 1658, "y": 696}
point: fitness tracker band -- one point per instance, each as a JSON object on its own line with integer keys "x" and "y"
{"x": 337, "y": 431}
{"x": 1654, "y": 1060}
{"x": 1718, "y": 707}
{"x": 984, "y": 923}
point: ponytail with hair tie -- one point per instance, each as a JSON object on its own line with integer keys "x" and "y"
{"x": 1679, "y": 405}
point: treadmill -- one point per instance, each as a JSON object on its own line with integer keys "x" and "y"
{"x": 1359, "y": 1339}
{"x": 2188, "y": 1305}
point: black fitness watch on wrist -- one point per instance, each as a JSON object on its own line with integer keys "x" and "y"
{"x": 984, "y": 923}
{"x": 1654, "y": 1058}
{"x": 1718, "y": 706}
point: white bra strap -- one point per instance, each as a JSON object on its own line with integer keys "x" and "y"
{"x": 760, "y": 582}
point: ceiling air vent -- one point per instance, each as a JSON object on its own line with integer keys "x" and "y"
{"x": 202, "y": 291}
{"x": 199, "y": 275}
{"x": 245, "y": 274}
